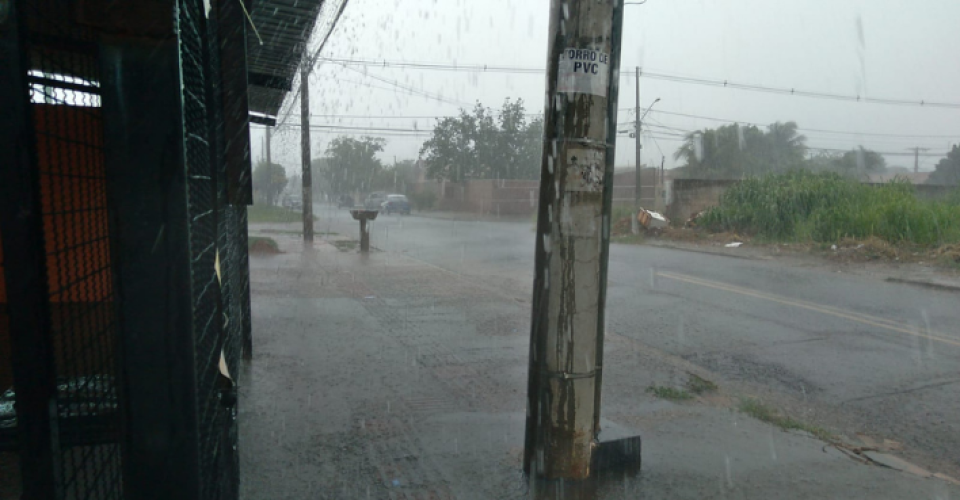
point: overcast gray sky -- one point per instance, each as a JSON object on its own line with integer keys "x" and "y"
{"x": 909, "y": 51}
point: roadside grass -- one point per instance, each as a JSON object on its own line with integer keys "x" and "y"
{"x": 346, "y": 245}
{"x": 802, "y": 206}
{"x": 629, "y": 239}
{"x": 699, "y": 385}
{"x": 669, "y": 393}
{"x": 269, "y": 213}
{"x": 760, "y": 411}
{"x": 296, "y": 232}
{"x": 695, "y": 386}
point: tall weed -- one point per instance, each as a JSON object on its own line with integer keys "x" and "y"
{"x": 826, "y": 207}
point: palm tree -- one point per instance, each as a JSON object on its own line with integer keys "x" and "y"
{"x": 784, "y": 144}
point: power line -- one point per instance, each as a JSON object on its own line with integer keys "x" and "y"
{"x": 630, "y": 122}
{"x": 805, "y": 129}
{"x": 316, "y": 55}
{"x": 401, "y": 86}
{"x": 485, "y": 68}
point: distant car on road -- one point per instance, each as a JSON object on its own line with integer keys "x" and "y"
{"x": 345, "y": 201}
{"x": 396, "y": 203}
{"x": 374, "y": 200}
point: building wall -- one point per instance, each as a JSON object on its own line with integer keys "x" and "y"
{"x": 520, "y": 197}
{"x": 691, "y": 196}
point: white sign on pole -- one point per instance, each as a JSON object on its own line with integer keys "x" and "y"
{"x": 584, "y": 71}
{"x": 584, "y": 170}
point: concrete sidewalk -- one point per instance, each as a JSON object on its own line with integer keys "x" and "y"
{"x": 385, "y": 377}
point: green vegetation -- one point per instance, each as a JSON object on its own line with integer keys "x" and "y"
{"x": 269, "y": 179}
{"x": 736, "y": 151}
{"x": 621, "y": 212}
{"x": 351, "y": 164}
{"x": 296, "y": 232}
{"x": 629, "y": 239}
{"x": 262, "y": 244}
{"x": 947, "y": 169}
{"x": 699, "y": 385}
{"x": 346, "y": 245}
{"x": 270, "y": 213}
{"x": 669, "y": 393}
{"x": 482, "y": 144}
{"x": 826, "y": 207}
{"x": 758, "y": 410}
{"x": 695, "y": 386}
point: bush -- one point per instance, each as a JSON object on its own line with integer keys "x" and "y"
{"x": 826, "y": 207}
{"x": 423, "y": 200}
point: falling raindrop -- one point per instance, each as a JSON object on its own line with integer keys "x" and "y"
{"x": 773, "y": 449}
{"x": 726, "y": 460}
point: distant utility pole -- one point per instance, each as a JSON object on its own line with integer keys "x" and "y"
{"x": 267, "y": 144}
{"x": 916, "y": 157}
{"x": 305, "y": 175}
{"x": 572, "y": 244}
{"x": 636, "y": 127}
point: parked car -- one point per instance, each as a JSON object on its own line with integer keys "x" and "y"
{"x": 293, "y": 201}
{"x": 396, "y": 203}
{"x": 374, "y": 200}
{"x": 345, "y": 201}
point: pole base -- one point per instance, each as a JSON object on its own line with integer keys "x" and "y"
{"x": 620, "y": 455}
{"x": 615, "y": 458}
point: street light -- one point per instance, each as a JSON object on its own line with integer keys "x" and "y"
{"x": 648, "y": 109}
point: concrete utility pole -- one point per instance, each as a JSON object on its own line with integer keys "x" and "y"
{"x": 305, "y": 175}
{"x": 572, "y": 244}
{"x": 916, "y": 158}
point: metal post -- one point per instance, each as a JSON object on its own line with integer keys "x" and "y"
{"x": 572, "y": 244}
{"x": 28, "y": 305}
{"x": 364, "y": 237}
{"x": 305, "y": 176}
{"x": 149, "y": 218}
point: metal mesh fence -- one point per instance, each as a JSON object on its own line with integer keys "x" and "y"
{"x": 212, "y": 234}
{"x": 9, "y": 462}
{"x": 64, "y": 93}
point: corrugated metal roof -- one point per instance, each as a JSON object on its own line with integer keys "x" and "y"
{"x": 285, "y": 27}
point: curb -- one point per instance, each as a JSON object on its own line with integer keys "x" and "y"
{"x": 926, "y": 284}
{"x": 708, "y": 252}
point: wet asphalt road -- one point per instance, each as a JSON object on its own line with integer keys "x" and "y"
{"x": 850, "y": 351}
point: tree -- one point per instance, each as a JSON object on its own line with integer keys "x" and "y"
{"x": 735, "y": 151}
{"x": 782, "y": 146}
{"x": 860, "y": 163}
{"x": 351, "y": 164}
{"x": 483, "y": 145}
{"x": 727, "y": 152}
{"x": 948, "y": 169}
{"x": 269, "y": 179}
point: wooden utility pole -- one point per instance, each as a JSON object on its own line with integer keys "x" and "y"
{"x": 305, "y": 175}
{"x": 266, "y": 144}
{"x": 572, "y": 244}
{"x": 637, "y": 192}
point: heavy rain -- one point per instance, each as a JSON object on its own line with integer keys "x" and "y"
{"x": 550, "y": 249}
